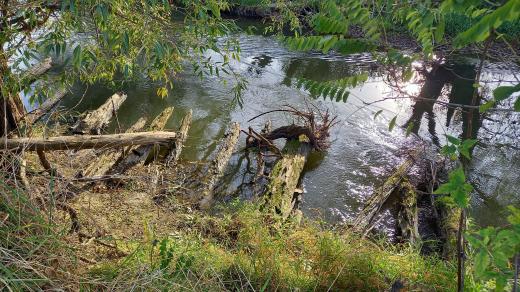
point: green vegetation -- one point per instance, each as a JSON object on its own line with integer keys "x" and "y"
{"x": 235, "y": 250}
{"x": 240, "y": 248}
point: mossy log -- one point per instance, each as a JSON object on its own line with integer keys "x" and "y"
{"x": 407, "y": 222}
{"x": 139, "y": 154}
{"x": 95, "y": 121}
{"x": 283, "y": 179}
{"x": 218, "y": 165}
{"x": 106, "y": 160}
{"x": 88, "y": 141}
{"x": 449, "y": 223}
{"x": 372, "y": 207}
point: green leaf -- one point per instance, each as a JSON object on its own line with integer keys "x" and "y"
{"x": 409, "y": 128}
{"x": 517, "y": 105}
{"x": 453, "y": 140}
{"x": 391, "y": 126}
{"x": 377, "y": 113}
{"x": 482, "y": 261}
{"x": 502, "y": 92}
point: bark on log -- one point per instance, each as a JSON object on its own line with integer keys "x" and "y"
{"x": 45, "y": 107}
{"x": 96, "y": 120}
{"x": 218, "y": 165}
{"x": 176, "y": 148}
{"x": 372, "y": 207}
{"x": 37, "y": 70}
{"x": 139, "y": 154}
{"x": 88, "y": 141}
{"x": 106, "y": 161}
{"x": 284, "y": 177}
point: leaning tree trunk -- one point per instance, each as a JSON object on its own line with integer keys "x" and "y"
{"x": 11, "y": 107}
{"x": 284, "y": 178}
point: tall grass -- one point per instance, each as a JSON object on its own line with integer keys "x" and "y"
{"x": 240, "y": 251}
{"x": 33, "y": 255}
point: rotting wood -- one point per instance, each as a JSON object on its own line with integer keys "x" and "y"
{"x": 139, "y": 154}
{"x": 106, "y": 160}
{"x": 373, "y": 205}
{"x": 284, "y": 177}
{"x": 37, "y": 70}
{"x": 449, "y": 218}
{"x": 45, "y": 107}
{"x": 407, "y": 222}
{"x": 176, "y": 148}
{"x": 95, "y": 121}
{"x": 88, "y": 141}
{"x": 218, "y": 165}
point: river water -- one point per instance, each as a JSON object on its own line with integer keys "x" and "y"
{"x": 363, "y": 150}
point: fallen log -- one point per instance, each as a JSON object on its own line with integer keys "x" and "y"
{"x": 284, "y": 177}
{"x": 218, "y": 165}
{"x": 37, "y": 70}
{"x": 106, "y": 161}
{"x": 88, "y": 141}
{"x": 45, "y": 107}
{"x": 176, "y": 148}
{"x": 139, "y": 154}
{"x": 373, "y": 205}
{"x": 95, "y": 121}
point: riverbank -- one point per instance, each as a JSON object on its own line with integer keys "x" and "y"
{"x": 178, "y": 248}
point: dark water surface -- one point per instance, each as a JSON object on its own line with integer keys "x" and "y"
{"x": 363, "y": 150}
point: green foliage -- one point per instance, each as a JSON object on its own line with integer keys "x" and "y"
{"x": 501, "y": 93}
{"x": 456, "y": 147}
{"x": 481, "y": 30}
{"x": 494, "y": 249}
{"x": 332, "y": 24}
{"x": 457, "y": 188}
{"x": 425, "y": 23}
{"x": 117, "y": 41}
{"x": 335, "y": 90}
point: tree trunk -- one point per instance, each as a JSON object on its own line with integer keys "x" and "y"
{"x": 88, "y": 141}
{"x": 284, "y": 177}
{"x": 11, "y": 107}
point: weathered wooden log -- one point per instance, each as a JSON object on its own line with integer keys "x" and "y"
{"x": 218, "y": 165}
{"x": 176, "y": 148}
{"x": 37, "y": 70}
{"x": 407, "y": 222}
{"x": 106, "y": 160}
{"x": 88, "y": 141}
{"x": 45, "y": 107}
{"x": 283, "y": 179}
{"x": 139, "y": 154}
{"x": 95, "y": 121}
{"x": 373, "y": 205}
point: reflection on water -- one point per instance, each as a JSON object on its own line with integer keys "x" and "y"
{"x": 337, "y": 182}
